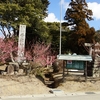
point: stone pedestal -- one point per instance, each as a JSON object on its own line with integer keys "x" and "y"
{"x": 96, "y": 72}
{"x": 96, "y": 68}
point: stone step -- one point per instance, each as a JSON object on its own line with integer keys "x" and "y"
{"x": 49, "y": 82}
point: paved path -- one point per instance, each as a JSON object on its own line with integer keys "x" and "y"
{"x": 59, "y": 96}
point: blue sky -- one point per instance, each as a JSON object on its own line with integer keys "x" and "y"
{"x": 54, "y": 11}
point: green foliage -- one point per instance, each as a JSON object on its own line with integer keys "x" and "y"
{"x": 37, "y": 70}
{"x": 54, "y": 33}
{"x": 97, "y": 36}
{"x": 28, "y": 12}
{"x": 54, "y": 30}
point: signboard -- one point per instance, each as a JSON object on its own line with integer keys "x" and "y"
{"x": 69, "y": 61}
{"x": 21, "y": 42}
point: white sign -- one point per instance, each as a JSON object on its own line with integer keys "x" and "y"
{"x": 21, "y": 42}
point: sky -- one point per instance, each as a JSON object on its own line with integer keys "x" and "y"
{"x": 57, "y": 9}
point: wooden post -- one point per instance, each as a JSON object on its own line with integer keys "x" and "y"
{"x": 86, "y": 71}
{"x": 67, "y": 68}
{"x": 63, "y": 70}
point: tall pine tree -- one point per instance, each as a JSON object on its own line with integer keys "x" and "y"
{"x": 76, "y": 16}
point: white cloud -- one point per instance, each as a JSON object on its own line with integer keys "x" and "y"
{"x": 64, "y": 4}
{"x": 51, "y": 18}
{"x": 95, "y": 7}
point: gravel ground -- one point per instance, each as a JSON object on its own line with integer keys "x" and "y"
{"x": 25, "y": 85}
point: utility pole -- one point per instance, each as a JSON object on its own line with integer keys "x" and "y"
{"x": 60, "y": 27}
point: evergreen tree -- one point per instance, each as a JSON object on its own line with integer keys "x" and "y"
{"x": 28, "y": 12}
{"x": 76, "y": 16}
{"x": 54, "y": 30}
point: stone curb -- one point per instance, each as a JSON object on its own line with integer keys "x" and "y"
{"x": 50, "y": 95}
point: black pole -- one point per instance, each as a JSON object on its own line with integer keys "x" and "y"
{"x": 85, "y": 71}
{"x": 63, "y": 70}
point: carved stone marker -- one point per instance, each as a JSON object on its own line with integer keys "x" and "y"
{"x": 21, "y": 43}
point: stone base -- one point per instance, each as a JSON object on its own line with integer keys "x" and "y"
{"x": 96, "y": 72}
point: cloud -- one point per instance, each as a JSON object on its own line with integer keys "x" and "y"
{"x": 64, "y": 4}
{"x": 51, "y": 18}
{"x": 95, "y": 7}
